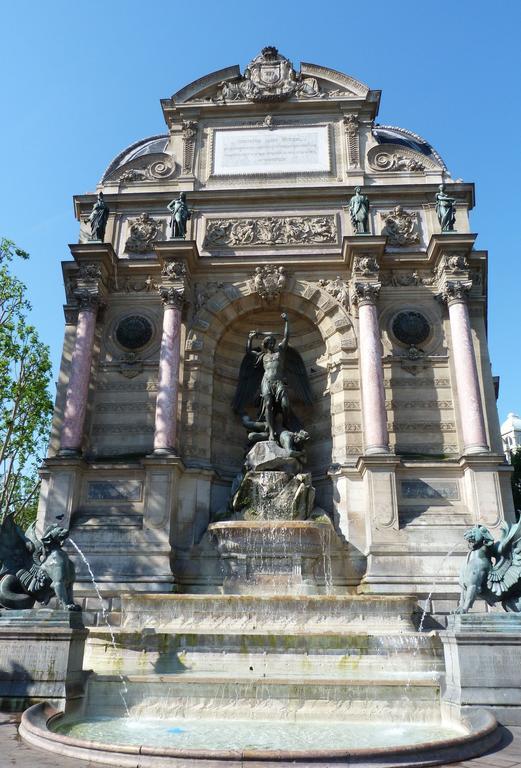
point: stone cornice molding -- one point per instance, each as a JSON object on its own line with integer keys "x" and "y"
{"x": 96, "y": 263}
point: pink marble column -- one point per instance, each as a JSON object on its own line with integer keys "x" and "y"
{"x": 78, "y": 387}
{"x": 168, "y": 382}
{"x": 467, "y": 382}
{"x": 376, "y": 436}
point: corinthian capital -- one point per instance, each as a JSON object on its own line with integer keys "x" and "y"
{"x": 171, "y": 297}
{"x": 454, "y": 291}
{"x": 365, "y": 293}
{"x": 87, "y": 299}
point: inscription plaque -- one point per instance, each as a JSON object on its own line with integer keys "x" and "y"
{"x": 435, "y": 490}
{"x": 281, "y": 150}
{"x": 115, "y": 490}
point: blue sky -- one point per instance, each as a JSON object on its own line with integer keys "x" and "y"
{"x": 80, "y": 81}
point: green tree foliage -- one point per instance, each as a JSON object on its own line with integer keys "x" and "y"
{"x": 515, "y": 458}
{"x": 25, "y": 403}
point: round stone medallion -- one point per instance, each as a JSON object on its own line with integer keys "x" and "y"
{"x": 134, "y": 332}
{"x": 411, "y": 327}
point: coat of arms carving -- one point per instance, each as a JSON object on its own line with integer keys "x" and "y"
{"x": 268, "y": 77}
{"x": 143, "y": 231}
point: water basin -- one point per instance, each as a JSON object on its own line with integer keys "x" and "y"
{"x": 258, "y": 734}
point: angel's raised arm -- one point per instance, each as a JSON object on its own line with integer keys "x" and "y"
{"x": 251, "y": 336}
{"x": 285, "y": 340}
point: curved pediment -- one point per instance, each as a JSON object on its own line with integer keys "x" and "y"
{"x": 270, "y": 77}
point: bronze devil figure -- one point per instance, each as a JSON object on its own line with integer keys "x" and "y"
{"x": 32, "y": 569}
{"x": 492, "y": 570}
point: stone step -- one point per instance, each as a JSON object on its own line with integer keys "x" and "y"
{"x": 373, "y": 614}
{"x": 192, "y": 696}
{"x": 334, "y": 655}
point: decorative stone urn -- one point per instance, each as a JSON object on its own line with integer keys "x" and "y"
{"x": 274, "y": 557}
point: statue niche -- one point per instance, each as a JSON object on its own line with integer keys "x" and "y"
{"x": 228, "y": 442}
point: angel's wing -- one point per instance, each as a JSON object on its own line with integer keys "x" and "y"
{"x": 297, "y": 376}
{"x": 248, "y": 386}
{"x": 506, "y": 572}
{"x": 14, "y": 555}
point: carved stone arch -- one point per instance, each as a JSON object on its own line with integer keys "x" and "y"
{"x": 212, "y": 434}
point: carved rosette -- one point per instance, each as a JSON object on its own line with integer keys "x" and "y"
{"x": 172, "y": 296}
{"x": 268, "y": 281}
{"x": 400, "y": 227}
{"x": 352, "y": 140}
{"x": 270, "y": 230}
{"x": 143, "y": 231}
{"x": 365, "y": 293}
{"x": 455, "y": 291}
{"x": 189, "y": 133}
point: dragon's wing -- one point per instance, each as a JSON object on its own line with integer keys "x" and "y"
{"x": 506, "y": 572}
{"x": 14, "y": 555}
{"x": 509, "y": 534}
{"x": 297, "y": 376}
{"x": 248, "y": 386}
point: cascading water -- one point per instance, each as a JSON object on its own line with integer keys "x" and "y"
{"x": 435, "y": 582}
{"x": 124, "y": 690}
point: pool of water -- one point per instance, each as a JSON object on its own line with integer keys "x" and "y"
{"x": 247, "y": 734}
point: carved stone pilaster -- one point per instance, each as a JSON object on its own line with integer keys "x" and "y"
{"x": 189, "y": 133}
{"x": 365, "y": 293}
{"x": 352, "y": 140}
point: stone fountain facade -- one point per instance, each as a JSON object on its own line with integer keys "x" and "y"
{"x": 278, "y": 574}
{"x": 405, "y": 450}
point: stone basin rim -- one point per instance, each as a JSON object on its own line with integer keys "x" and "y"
{"x": 483, "y": 734}
{"x": 271, "y": 524}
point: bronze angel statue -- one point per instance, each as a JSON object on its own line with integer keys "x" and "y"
{"x": 264, "y": 378}
{"x": 32, "y": 569}
{"x": 492, "y": 570}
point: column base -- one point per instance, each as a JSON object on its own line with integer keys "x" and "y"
{"x": 377, "y": 450}
{"x": 472, "y": 450}
{"x": 69, "y": 453}
{"x": 165, "y": 452}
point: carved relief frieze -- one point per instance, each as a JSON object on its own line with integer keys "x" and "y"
{"x": 270, "y": 230}
{"x": 117, "y": 386}
{"x": 419, "y": 404}
{"x": 405, "y": 279}
{"x": 400, "y": 227}
{"x": 269, "y": 281}
{"x": 142, "y": 233}
{"x": 422, "y": 426}
{"x": 89, "y": 271}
